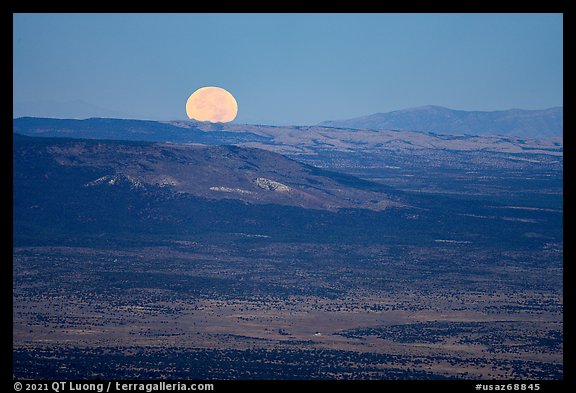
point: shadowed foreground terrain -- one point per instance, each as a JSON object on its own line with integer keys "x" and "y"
{"x": 146, "y": 260}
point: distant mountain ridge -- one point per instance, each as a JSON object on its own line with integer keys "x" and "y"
{"x": 544, "y": 123}
{"x": 292, "y": 141}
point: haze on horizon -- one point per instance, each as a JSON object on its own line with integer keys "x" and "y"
{"x": 284, "y": 69}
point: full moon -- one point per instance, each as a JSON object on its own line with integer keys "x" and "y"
{"x": 212, "y": 104}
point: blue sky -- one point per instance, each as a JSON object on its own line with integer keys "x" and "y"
{"x": 284, "y": 69}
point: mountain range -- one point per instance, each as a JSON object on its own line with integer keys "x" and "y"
{"x": 289, "y": 140}
{"x": 517, "y": 122}
{"x": 137, "y": 177}
{"x": 146, "y": 249}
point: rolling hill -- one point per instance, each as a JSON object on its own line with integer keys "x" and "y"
{"x": 289, "y": 140}
{"x": 250, "y": 175}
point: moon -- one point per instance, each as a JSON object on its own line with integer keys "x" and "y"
{"x": 213, "y": 104}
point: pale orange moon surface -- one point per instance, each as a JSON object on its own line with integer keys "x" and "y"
{"x": 212, "y": 104}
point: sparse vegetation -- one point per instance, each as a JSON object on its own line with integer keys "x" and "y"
{"x": 462, "y": 279}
